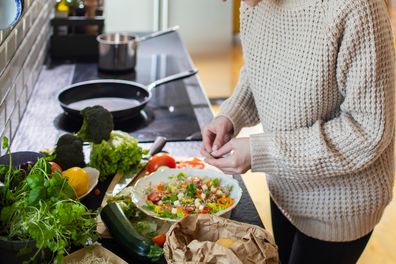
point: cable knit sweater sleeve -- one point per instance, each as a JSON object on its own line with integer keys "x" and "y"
{"x": 363, "y": 129}
{"x": 240, "y": 108}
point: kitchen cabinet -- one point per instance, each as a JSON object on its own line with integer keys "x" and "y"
{"x": 205, "y": 25}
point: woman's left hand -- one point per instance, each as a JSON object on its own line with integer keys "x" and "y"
{"x": 232, "y": 158}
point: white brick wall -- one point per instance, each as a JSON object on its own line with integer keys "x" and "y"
{"x": 22, "y": 52}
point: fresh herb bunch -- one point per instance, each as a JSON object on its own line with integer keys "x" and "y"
{"x": 42, "y": 208}
{"x": 11, "y": 178}
{"x": 54, "y": 226}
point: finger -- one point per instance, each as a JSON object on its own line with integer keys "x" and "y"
{"x": 227, "y": 148}
{"x": 204, "y": 152}
{"x": 221, "y": 162}
{"x": 207, "y": 139}
{"x": 219, "y": 140}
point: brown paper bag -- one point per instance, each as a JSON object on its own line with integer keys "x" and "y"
{"x": 193, "y": 240}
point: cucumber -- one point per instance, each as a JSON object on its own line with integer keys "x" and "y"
{"x": 123, "y": 232}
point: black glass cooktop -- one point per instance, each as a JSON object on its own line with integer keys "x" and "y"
{"x": 169, "y": 113}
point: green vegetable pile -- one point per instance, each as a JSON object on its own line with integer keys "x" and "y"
{"x": 69, "y": 152}
{"x": 97, "y": 124}
{"x": 41, "y": 208}
{"x": 146, "y": 226}
{"x": 121, "y": 153}
{"x": 111, "y": 151}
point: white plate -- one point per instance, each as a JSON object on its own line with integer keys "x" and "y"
{"x": 93, "y": 180}
{"x": 139, "y": 197}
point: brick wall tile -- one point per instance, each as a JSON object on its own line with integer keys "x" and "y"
{"x": 22, "y": 52}
{"x": 2, "y": 117}
{"x": 10, "y": 102}
{"x": 14, "y": 120}
{"x": 22, "y": 102}
{"x": 11, "y": 45}
{"x": 5, "y": 84}
{"x": 3, "y": 58}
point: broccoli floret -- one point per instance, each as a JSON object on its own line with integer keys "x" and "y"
{"x": 97, "y": 124}
{"x": 69, "y": 152}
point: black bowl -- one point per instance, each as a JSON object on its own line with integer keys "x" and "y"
{"x": 20, "y": 157}
{"x": 17, "y": 251}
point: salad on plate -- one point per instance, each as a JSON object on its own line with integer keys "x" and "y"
{"x": 183, "y": 195}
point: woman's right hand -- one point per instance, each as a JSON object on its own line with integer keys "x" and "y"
{"x": 216, "y": 134}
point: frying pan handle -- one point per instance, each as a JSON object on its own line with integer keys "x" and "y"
{"x": 157, "y": 34}
{"x": 171, "y": 78}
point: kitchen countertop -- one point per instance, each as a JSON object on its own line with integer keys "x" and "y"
{"x": 37, "y": 130}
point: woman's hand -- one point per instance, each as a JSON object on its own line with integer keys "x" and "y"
{"x": 237, "y": 161}
{"x": 216, "y": 134}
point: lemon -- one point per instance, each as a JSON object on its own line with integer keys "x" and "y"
{"x": 78, "y": 179}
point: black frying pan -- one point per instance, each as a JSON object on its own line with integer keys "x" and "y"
{"x": 124, "y": 99}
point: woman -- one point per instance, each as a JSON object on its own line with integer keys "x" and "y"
{"x": 319, "y": 77}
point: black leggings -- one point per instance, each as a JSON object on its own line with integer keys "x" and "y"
{"x": 295, "y": 247}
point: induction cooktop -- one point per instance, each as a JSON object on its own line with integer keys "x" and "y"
{"x": 169, "y": 113}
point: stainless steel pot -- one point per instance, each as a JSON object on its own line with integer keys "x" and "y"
{"x": 117, "y": 51}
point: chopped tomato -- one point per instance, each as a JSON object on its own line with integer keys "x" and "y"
{"x": 155, "y": 197}
{"x": 180, "y": 209}
{"x": 191, "y": 163}
{"x": 225, "y": 202}
{"x": 160, "y": 159}
{"x": 55, "y": 167}
{"x": 206, "y": 210}
{"x": 159, "y": 240}
{"x": 190, "y": 208}
{"x": 161, "y": 188}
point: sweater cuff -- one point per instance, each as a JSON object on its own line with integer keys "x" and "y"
{"x": 261, "y": 156}
{"x": 233, "y": 113}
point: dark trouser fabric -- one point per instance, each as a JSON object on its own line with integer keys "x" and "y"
{"x": 295, "y": 247}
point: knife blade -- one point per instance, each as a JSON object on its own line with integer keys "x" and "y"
{"x": 127, "y": 178}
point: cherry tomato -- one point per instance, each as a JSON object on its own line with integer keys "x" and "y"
{"x": 54, "y": 167}
{"x": 155, "y": 197}
{"x": 159, "y": 240}
{"x": 160, "y": 159}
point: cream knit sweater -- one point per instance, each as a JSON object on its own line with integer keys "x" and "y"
{"x": 319, "y": 76}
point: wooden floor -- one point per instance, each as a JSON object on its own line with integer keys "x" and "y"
{"x": 219, "y": 75}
